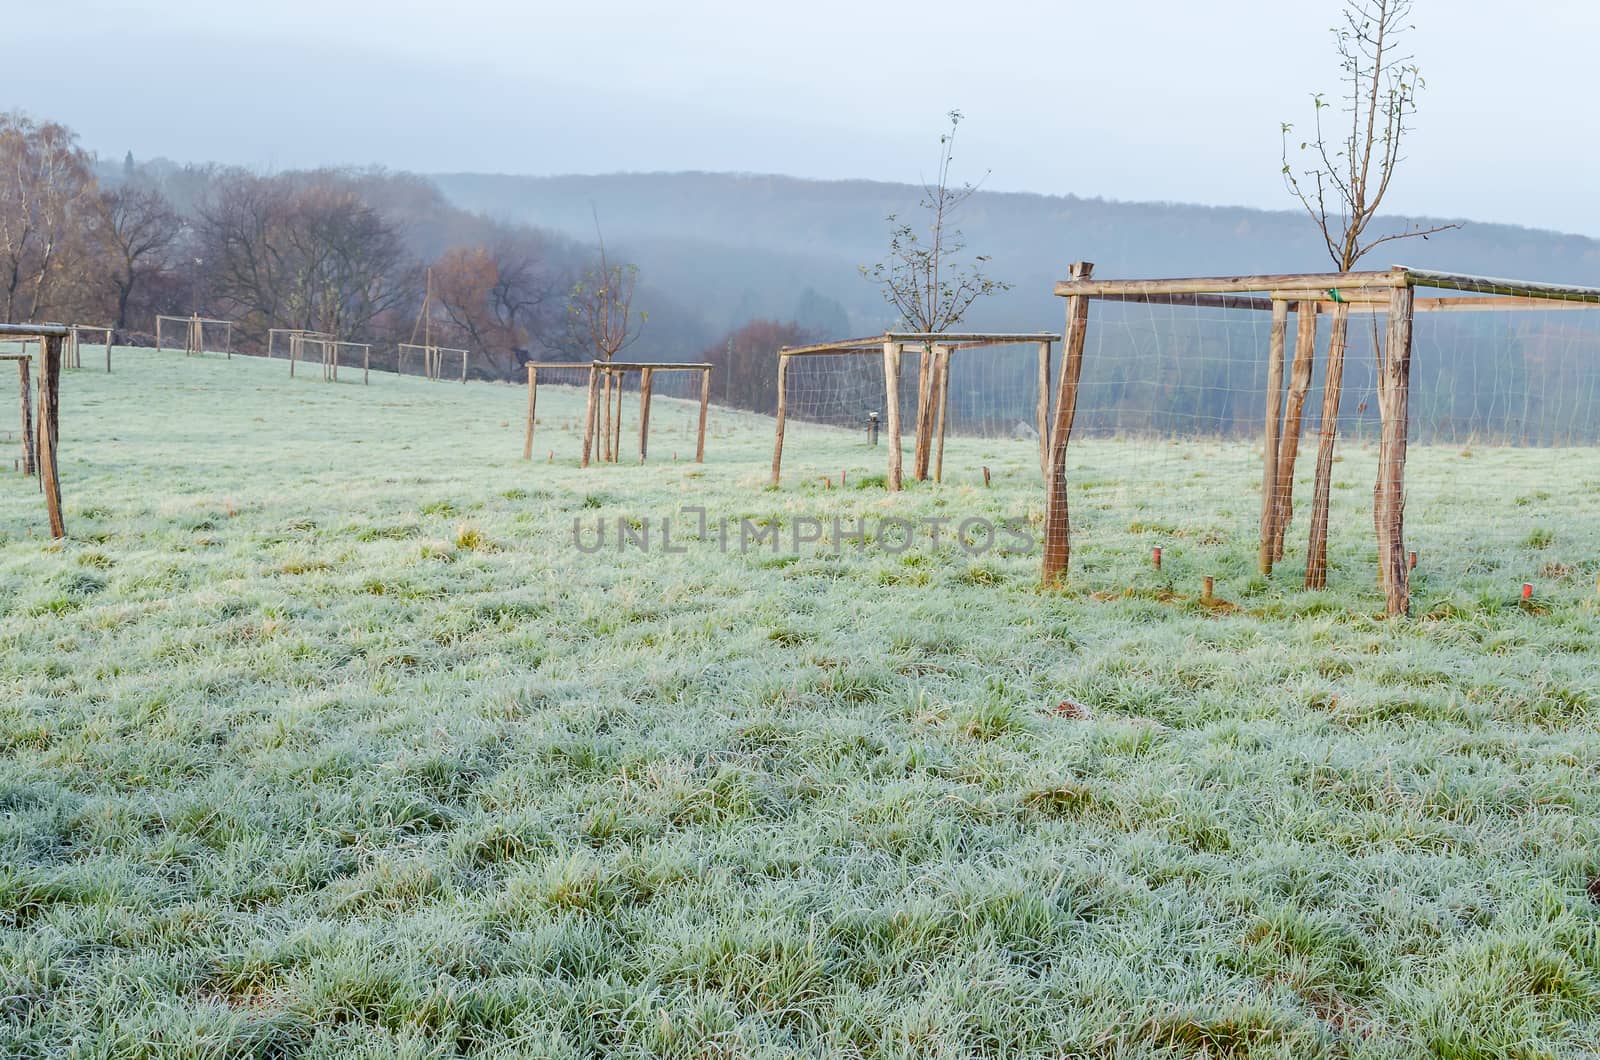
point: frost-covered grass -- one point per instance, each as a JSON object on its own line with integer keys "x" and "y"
{"x": 318, "y": 736}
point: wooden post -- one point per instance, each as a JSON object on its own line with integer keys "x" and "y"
{"x": 533, "y": 397}
{"x": 616, "y": 424}
{"x": 782, "y": 418}
{"x": 1207, "y": 589}
{"x": 1042, "y": 413}
{"x": 891, "y": 393}
{"x": 294, "y": 353}
{"x": 589, "y": 412}
{"x": 645, "y": 385}
{"x": 227, "y": 339}
{"x": 1394, "y": 398}
{"x": 49, "y": 424}
{"x": 108, "y": 351}
{"x": 941, "y": 383}
{"x": 464, "y": 355}
{"x": 366, "y": 363}
{"x": 1269, "y": 446}
{"x": 1321, "y": 488}
{"x": 25, "y": 389}
{"x": 925, "y": 395}
{"x": 1057, "y": 521}
{"x": 705, "y": 401}
{"x": 1305, "y": 351}
{"x": 603, "y": 455}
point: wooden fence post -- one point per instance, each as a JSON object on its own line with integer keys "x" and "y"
{"x": 1305, "y": 351}
{"x": 29, "y": 442}
{"x": 941, "y": 383}
{"x": 533, "y": 397}
{"x": 1322, "y": 485}
{"x": 603, "y": 454}
{"x": 1057, "y": 521}
{"x": 782, "y": 417}
{"x": 108, "y": 351}
{"x": 589, "y": 412}
{"x": 1394, "y": 399}
{"x": 646, "y": 383}
{"x": 925, "y": 400}
{"x": 616, "y": 424}
{"x": 705, "y": 401}
{"x": 1269, "y": 446}
{"x": 49, "y": 427}
{"x": 891, "y": 390}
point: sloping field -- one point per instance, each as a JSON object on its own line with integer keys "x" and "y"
{"x": 322, "y": 733}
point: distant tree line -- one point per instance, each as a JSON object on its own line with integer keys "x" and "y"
{"x": 356, "y": 254}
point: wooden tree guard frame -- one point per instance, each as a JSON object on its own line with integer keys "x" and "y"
{"x": 432, "y": 359}
{"x": 328, "y": 352}
{"x": 605, "y": 385}
{"x": 934, "y": 350}
{"x": 44, "y": 429}
{"x": 72, "y": 353}
{"x": 1308, "y": 295}
{"x": 194, "y": 334}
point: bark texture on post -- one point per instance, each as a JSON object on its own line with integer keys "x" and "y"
{"x": 646, "y": 385}
{"x": 29, "y": 442}
{"x": 1389, "y": 499}
{"x": 1057, "y": 521}
{"x": 1269, "y": 445}
{"x": 1322, "y": 486}
{"x": 49, "y": 426}
{"x": 1305, "y": 351}
{"x": 604, "y": 454}
{"x": 783, "y": 416}
{"x": 705, "y": 402}
{"x": 533, "y": 398}
{"x": 891, "y": 393}
{"x": 589, "y": 413}
{"x": 925, "y": 400}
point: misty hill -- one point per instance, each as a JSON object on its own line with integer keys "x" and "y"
{"x": 729, "y": 247}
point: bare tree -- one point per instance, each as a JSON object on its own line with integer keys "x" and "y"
{"x": 303, "y": 251}
{"x": 139, "y": 230}
{"x": 46, "y": 217}
{"x": 1342, "y": 187}
{"x": 600, "y": 308}
{"x": 600, "y": 315}
{"x": 1347, "y": 177}
{"x": 496, "y": 298}
{"x": 924, "y": 276}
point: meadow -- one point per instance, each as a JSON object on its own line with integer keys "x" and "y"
{"x": 321, "y": 735}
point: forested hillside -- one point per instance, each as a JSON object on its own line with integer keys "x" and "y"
{"x": 735, "y": 246}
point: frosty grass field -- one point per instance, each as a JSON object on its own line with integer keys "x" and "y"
{"x": 318, "y": 736}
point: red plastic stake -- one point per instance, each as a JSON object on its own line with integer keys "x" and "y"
{"x": 1155, "y": 557}
{"x": 1527, "y": 591}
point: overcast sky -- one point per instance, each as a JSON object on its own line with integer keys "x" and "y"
{"x": 1143, "y": 99}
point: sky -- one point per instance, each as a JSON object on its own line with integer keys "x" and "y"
{"x": 1171, "y": 100}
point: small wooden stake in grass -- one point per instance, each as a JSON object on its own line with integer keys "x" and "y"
{"x": 1206, "y": 589}
{"x": 986, "y": 476}
{"x": 1155, "y": 557}
{"x": 1411, "y": 559}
